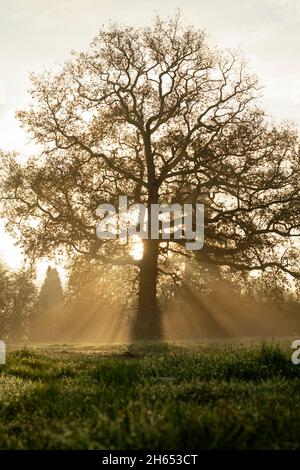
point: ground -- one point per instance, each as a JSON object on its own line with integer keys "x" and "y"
{"x": 200, "y": 396}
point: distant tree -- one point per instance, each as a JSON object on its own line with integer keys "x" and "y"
{"x": 156, "y": 114}
{"x": 4, "y": 300}
{"x": 49, "y": 307}
{"x": 51, "y": 293}
{"x": 18, "y": 300}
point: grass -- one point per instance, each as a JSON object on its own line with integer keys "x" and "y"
{"x": 176, "y": 397}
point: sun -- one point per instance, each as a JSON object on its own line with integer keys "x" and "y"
{"x": 137, "y": 249}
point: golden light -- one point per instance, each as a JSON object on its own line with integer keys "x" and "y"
{"x": 137, "y": 249}
{"x": 13, "y": 257}
{"x": 41, "y": 269}
{"x": 9, "y": 252}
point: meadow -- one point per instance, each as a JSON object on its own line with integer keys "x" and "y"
{"x": 174, "y": 396}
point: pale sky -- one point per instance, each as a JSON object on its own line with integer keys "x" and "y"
{"x": 36, "y": 34}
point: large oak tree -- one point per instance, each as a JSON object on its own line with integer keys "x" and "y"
{"x": 157, "y": 115}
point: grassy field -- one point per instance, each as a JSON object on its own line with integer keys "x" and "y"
{"x": 200, "y": 397}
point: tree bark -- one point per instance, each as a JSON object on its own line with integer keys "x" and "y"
{"x": 147, "y": 324}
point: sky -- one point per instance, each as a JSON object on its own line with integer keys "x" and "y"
{"x": 37, "y": 34}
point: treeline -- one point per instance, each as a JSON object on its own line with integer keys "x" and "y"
{"x": 29, "y": 313}
{"x": 90, "y": 308}
{"x": 99, "y": 304}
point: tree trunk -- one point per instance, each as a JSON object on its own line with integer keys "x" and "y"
{"x": 147, "y": 323}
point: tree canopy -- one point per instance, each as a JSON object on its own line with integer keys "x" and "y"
{"x": 158, "y": 115}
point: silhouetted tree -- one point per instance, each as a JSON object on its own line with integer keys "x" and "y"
{"x": 51, "y": 294}
{"x": 156, "y": 114}
{"x": 49, "y": 309}
{"x": 18, "y": 300}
